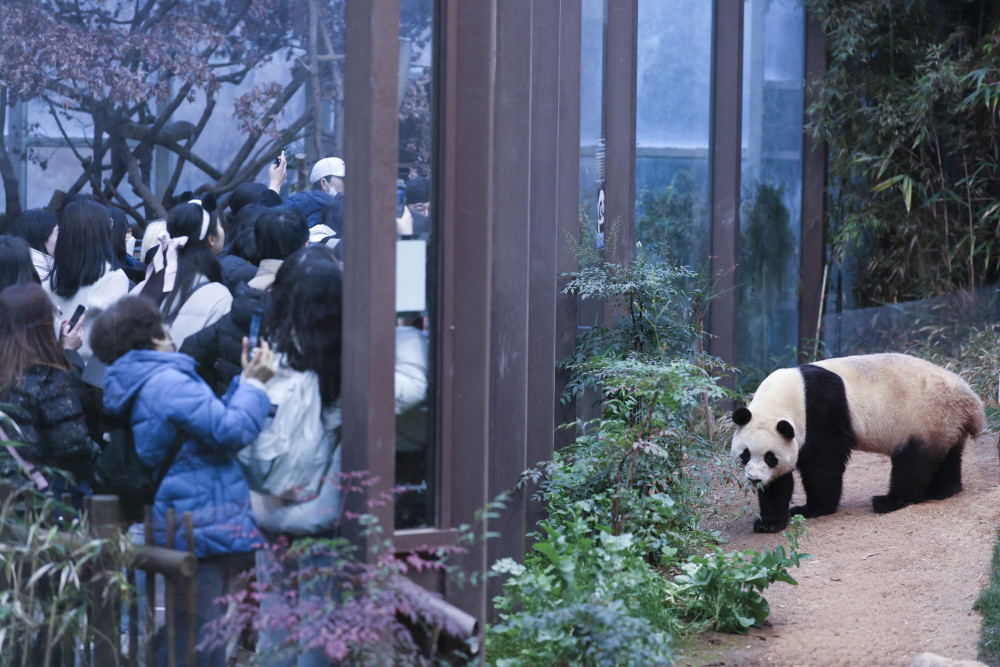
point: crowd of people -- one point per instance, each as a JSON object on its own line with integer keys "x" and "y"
{"x": 188, "y": 340}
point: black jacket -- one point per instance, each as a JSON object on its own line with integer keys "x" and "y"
{"x": 217, "y": 348}
{"x": 235, "y": 270}
{"x": 46, "y": 405}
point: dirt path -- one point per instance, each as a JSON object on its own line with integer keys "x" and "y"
{"x": 879, "y": 589}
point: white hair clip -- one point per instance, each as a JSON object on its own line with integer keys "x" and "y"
{"x": 205, "y": 218}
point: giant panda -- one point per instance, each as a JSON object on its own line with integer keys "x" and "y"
{"x": 812, "y": 418}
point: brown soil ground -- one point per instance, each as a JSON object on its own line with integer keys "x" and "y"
{"x": 879, "y": 589}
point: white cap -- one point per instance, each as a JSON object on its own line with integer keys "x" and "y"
{"x": 328, "y": 166}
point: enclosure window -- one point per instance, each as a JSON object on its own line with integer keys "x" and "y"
{"x": 673, "y": 96}
{"x": 771, "y": 185}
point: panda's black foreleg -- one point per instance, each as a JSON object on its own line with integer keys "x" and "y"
{"x": 823, "y": 482}
{"x": 913, "y": 467}
{"x": 774, "y": 500}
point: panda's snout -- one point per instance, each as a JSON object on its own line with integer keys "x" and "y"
{"x": 753, "y": 480}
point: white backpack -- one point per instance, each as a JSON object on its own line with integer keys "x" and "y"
{"x": 295, "y": 449}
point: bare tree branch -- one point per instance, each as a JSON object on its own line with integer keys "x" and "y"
{"x": 168, "y": 195}
{"x": 141, "y": 189}
{"x": 128, "y": 208}
{"x": 11, "y": 183}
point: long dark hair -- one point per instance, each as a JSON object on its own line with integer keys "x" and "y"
{"x": 305, "y": 317}
{"x": 35, "y": 226}
{"x": 119, "y": 230}
{"x": 15, "y": 262}
{"x": 193, "y": 260}
{"x": 84, "y": 247}
{"x": 27, "y": 334}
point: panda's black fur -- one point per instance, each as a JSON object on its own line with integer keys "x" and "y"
{"x": 922, "y": 467}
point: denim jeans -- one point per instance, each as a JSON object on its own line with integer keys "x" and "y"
{"x": 271, "y": 644}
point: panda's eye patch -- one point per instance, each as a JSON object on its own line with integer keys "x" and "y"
{"x": 770, "y": 459}
{"x": 745, "y": 456}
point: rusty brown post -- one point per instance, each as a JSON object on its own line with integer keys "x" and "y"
{"x": 150, "y": 590}
{"x": 192, "y": 604}
{"x": 169, "y": 591}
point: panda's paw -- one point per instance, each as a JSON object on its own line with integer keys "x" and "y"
{"x": 885, "y": 504}
{"x": 761, "y": 526}
{"x": 801, "y": 509}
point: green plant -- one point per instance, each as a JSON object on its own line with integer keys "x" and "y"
{"x": 56, "y": 576}
{"x": 654, "y": 298}
{"x": 988, "y": 604}
{"x": 722, "y": 591}
{"x": 583, "y": 597}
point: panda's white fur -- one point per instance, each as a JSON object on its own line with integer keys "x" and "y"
{"x": 896, "y": 405}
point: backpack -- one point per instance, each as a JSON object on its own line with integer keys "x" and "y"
{"x": 119, "y": 471}
{"x": 295, "y": 448}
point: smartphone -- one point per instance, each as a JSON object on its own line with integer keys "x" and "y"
{"x": 254, "y": 330}
{"x": 77, "y": 314}
{"x": 277, "y": 160}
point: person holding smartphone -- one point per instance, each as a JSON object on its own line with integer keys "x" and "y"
{"x": 278, "y": 232}
{"x": 41, "y": 392}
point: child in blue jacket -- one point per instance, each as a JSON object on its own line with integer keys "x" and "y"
{"x": 167, "y": 401}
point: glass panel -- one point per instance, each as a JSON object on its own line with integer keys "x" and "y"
{"x": 594, "y": 31}
{"x": 673, "y": 97}
{"x": 416, "y": 271}
{"x": 51, "y": 168}
{"x": 770, "y": 215}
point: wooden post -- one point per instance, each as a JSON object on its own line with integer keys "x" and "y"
{"x": 192, "y": 605}
{"x": 169, "y": 590}
{"x": 150, "y": 590}
{"x": 105, "y": 514}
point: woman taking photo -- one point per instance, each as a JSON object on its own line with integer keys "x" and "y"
{"x": 40, "y": 391}
{"x": 304, "y": 327}
{"x": 84, "y": 273}
{"x": 184, "y": 278}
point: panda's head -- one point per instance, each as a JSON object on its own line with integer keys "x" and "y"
{"x": 766, "y": 447}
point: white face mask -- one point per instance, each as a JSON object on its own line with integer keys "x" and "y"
{"x": 130, "y": 246}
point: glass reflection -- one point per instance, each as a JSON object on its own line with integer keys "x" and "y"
{"x": 416, "y": 461}
{"x": 771, "y": 177}
{"x": 673, "y": 94}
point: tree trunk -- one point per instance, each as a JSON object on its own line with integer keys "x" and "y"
{"x": 11, "y": 184}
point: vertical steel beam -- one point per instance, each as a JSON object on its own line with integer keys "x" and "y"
{"x": 813, "y": 253}
{"x": 724, "y": 156}
{"x": 371, "y": 152}
{"x": 567, "y": 214}
{"x": 513, "y": 182}
{"x": 619, "y": 106}
{"x": 465, "y": 216}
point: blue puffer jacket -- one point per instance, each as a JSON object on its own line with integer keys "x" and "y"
{"x": 310, "y": 204}
{"x": 204, "y": 478}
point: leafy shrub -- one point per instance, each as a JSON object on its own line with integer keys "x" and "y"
{"x": 323, "y": 593}
{"x": 722, "y": 591}
{"x": 55, "y": 573}
{"x": 622, "y": 507}
{"x": 583, "y": 597}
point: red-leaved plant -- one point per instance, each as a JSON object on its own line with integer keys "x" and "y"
{"x": 322, "y": 594}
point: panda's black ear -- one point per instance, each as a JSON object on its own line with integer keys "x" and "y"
{"x": 741, "y": 416}
{"x": 786, "y": 429}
